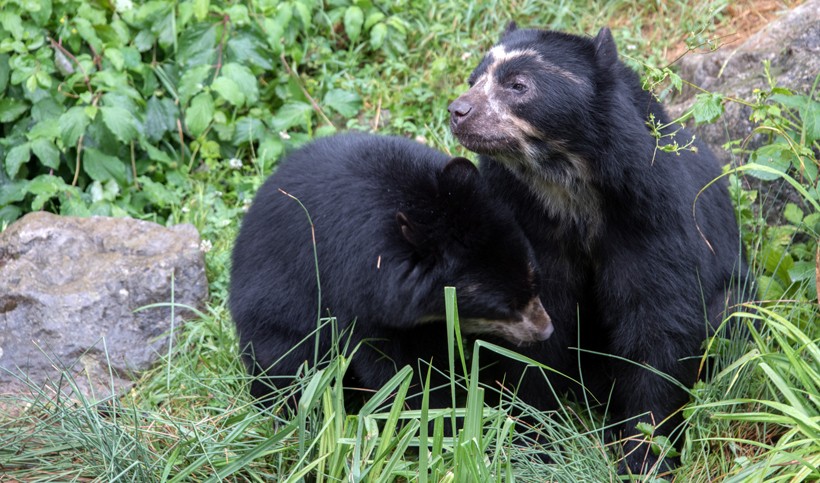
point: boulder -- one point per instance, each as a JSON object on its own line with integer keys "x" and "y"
{"x": 73, "y": 297}
{"x": 791, "y": 43}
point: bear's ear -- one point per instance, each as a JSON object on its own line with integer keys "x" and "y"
{"x": 458, "y": 170}
{"x": 606, "y": 52}
{"x": 511, "y": 27}
{"x": 409, "y": 231}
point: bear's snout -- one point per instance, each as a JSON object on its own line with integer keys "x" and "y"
{"x": 459, "y": 109}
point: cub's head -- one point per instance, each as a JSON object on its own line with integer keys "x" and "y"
{"x": 534, "y": 95}
{"x": 460, "y": 238}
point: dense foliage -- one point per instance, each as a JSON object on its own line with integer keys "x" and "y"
{"x": 178, "y": 110}
{"x": 111, "y": 108}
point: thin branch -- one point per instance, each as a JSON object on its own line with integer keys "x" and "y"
{"x": 58, "y": 46}
{"x": 226, "y": 20}
{"x": 313, "y": 103}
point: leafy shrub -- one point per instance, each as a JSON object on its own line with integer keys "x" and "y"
{"x": 112, "y": 108}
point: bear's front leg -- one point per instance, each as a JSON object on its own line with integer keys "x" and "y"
{"x": 652, "y": 312}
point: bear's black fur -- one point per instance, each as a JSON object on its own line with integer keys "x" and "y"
{"x": 639, "y": 257}
{"x": 394, "y": 222}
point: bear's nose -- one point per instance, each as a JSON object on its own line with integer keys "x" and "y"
{"x": 459, "y": 110}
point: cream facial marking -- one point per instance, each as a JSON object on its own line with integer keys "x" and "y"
{"x": 533, "y": 326}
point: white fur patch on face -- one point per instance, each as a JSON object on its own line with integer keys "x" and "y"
{"x": 500, "y": 55}
{"x": 534, "y": 325}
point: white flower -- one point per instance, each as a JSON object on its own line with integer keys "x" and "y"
{"x": 123, "y": 5}
{"x": 205, "y": 246}
{"x": 235, "y": 163}
{"x": 284, "y": 135}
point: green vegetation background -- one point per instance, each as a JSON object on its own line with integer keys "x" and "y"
{"x": 177, "y": 111}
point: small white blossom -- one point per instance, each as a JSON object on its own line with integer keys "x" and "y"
{"x": 284, "y": 135}
{"x": 235, "y": 163}
{"x": 185, "y": 209}
{"x": 123, "y": 5}
{"x": 205, "y": 246}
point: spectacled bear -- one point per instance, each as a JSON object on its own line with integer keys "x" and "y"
{"x": 643, "y": 254}
{"x": 394, "y": 223}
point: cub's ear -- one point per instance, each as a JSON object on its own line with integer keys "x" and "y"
{"x": 409, "y": 231}
{"x": 606, "y": 52}
{"x": 511, "y": 27}
{"x": 458, "y": 170}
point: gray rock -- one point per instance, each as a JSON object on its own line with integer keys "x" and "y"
{"x": 69, "y": 293}
{"x": 791, "y": 43}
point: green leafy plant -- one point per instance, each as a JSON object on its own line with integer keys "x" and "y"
{"x": 112, "y": 108}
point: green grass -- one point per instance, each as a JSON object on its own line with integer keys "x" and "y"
{"x": 191, "y": 418}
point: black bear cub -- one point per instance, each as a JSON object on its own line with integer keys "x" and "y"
{"x": 395, "y": 222}
{"x": 641, "y": 263}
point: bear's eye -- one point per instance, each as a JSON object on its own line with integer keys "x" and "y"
{"x": 518, "y": 87}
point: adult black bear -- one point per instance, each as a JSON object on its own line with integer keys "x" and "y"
{"x": 640, "y": 263}
{"x": 395, "y": 222}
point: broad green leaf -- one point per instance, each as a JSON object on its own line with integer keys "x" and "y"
{"x": 11, "y": 109}
{"x": 120, "y": 122}
{"x": 10, "y": 213}
{"x": 12, "y": 23}
{"x": 229, "y": 90}
{"x": 46, "y": 152}
{"x": 245, "y": 79}
{"x": 248, "y": 130}
{"x": 801, "y": 271}
{"x": 157, "y": 193}
{"x": 103, "y": 167}
{"x": 377, "y": 35}
{"x": 13, "y": 192}
{"x": 197, "y": 46}
{"x": 88, "y": 11}
{"x": 192, "y": 82}
{"x": 200, "y": 114}
{"x": 304, "y": 13}
{"x": 87, "y": 32}
{"x": 810, "y": 113}
{"x": 793, "y": 214}
{"x": 238, "y": 14}
{"x": 247, "y": 48}
{"x": 354, "y": 19}
{"x": 269, "y": 150}
{"x": 72, "y": 125}
{"x": 114, "y": 56}
{"x": 71, "y": 205}
{"x": 707, "y": 108}
{"x": 45, "y": 187}
{"x": 373, "y": 19}
{"x": 201, "y": 9}
{"x": 344, "y": 102}
{"x": 776, "y": 156}
{"x": 160, "y": 117}
{"x": 789, "y": 100}
{"x": 5, "y": 72}
{"x": 16, "y": 157}
{"x": 274, "y": 31}
{"x": 291, "y": 114}
{"x": 48, "y": 129}
{"x": 41, "y": 14}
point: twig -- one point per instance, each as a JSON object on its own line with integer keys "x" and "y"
{"x": 58, "y": 46}
{"x": 313, "y": 103}
{"x": 77, "y": 163}
{"x": 134, "y": 166}
{"x": 226, "y": 20}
